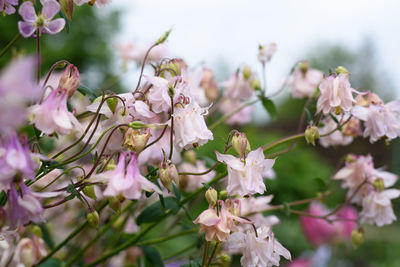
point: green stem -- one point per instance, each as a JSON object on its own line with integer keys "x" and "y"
{"x": 38, "y": 55}
{"x": 10, "y": 44}
{"x": 70, "y": 236}
{"x": 227, "y": 116}
{"x": 205, "y": 253}
{"x": 166, "y": 238}
{"x": 213, "y": 254}
{"x": 180, "y": 252}
{"x": 282, "y": 141}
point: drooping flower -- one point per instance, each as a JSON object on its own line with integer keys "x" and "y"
{"x": 217, "y": 224}
{"x": 336, "y": 94}
{"x": 126, "y": 179}
{"x": 377, "y": 207}
{"x": 237, "y": 87}
{"x": 53, "y": 115}
{"x": 17, "y": 88}
{"x": 190, "y": 129}
{"x": 265, "y": 52}
{"x": 16, "y": 163}
{"x": 43, "y": 22}
{"x": 261, "y": 250}
{"x": 380, "y": 120}
{"x": 337, "y": 137}
{"x": 245, "y": 177}
{"x": 304, "y": 81}
{"x": 7, "y": 6}
{"x": 30, "y": 251}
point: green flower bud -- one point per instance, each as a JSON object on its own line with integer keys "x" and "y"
{"x": 212, "y": 196}
{"x": 357, "y": 237}
{"x": 246, "y": 72}
{"x": 223, "y": 194}
{"x": 93, "y": 219}
{"x": 168, "y": 173}
{"x": 137, "y": 125}
{"x": 379, "y": 185}
{"x": 89, "y": 191}
{"x": 37, "y": 231}
{"x": 112, "y": 103}
{"x": 311, "y": 134}
{"x": 342, "y": 70}
{"x": 114, "y": 203}
{"x": 163, "y": 38}
{"x": 240, "y": 144}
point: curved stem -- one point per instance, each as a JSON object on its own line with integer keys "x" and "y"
{"x": 158, "y": 138}
{"x": 282, "y": 141}
{"x": 59, "y": 176}
{"x": 201, "y": 173}
{"x": 10, "y": 44}
{"x": 143, "y": 64}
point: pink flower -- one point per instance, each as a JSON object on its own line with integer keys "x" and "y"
{"x": 304, "y": 83}
{"x": 246, "y": 177}
{"x": 30, "y": 251}
{"x": 336, "y": 94}
{"x": 17, "y": 88}
{"x": 377, "y": 207}
{"x": 337, "y": 138}
{"x": 43, "y": 22}
{"x": 53, "y": 115}
{"x": 380, "y": 120}
{"x": 190, "y": 129}
{"x": 241, "y": 117}
{"x": 265, "y": 52}
{"x": 261, "y": 250}
{"x": 237, "y": 87}
{"x": 217, "y": 225}
{"x": 126, "y": 179}
{"x": 7, "y": 6}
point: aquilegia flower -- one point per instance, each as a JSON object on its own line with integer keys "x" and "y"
{"x": 7, "y": 6}
{"x": 43, "y": 22}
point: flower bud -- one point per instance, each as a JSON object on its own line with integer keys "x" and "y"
{"x": 351, "y": 158}
{"x": 240, "y": 144}
{"x": 357, "y": 237}
{"x": 174, "y": 67}
{"x": 255, "y": 84}
{"x": 114, "y": 203}
{"x": 212, "y": 196}
{"x": 137, "y": 125}
{"x": 379, "y": 185}
{"x": 168, "y": 173}
{"x": 311, "y": 134}
{"x": 342, "y": 70}
{"x": 93, "y": 219}
{"x": 190, "y": 156}
{"x": 163, "y": 38}
{"x": 112, "y": 103}
{"x": 89, "y": 191}
{"x": 136, "y": 140}
{"x": 246, "y": 72}
{"x": 37, "y": 231}
{"x": 70, "y": 80}
{"x": 303, "y": 67}
{"x": 223, "y": 194}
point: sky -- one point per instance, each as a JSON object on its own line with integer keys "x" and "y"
{"x": 214, "y": 30}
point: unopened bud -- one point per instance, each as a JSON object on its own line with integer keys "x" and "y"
{"x": 89, "y": 191}
{"x": 163, "y": 38}
{"x": 223, "y": 258}
{"x": 255, "y": 84}
{"x": 379, "y": 185}
{"x": 93, "y": 219}
{"x": 114, "y": 203}
{"x": 137, "y": 125}
{"x": 223, "y": 194}
{"x": 357, "y": 237}
{"x": 168, "y": 173}
{"x": 212, "y": 196}
{"x": 342, "y": 70}
{"x": 311, "y": 134}
{"x": 67, "y": 7}
{"x": 246, "y": 72}
{"x": 190, "y": 156}
{"x": 112, "y": 103}
{"x": 37, "y": 231}
{"x": 70, "y": 80}
{"x": 173, "y": 67}
{"x": 351, "y": 158}
{"x": 303, "y": 67}
{"x": 240, "y": 144}
{"x": 136, "y": 140}
{"x": 171, "y": 91}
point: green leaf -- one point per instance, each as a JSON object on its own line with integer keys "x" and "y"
{"x": 3, "y": 198}
{"x": 86, "y": 92}
{"x": 67, "y": 25}
{"x": 269, "y": 106}
{"x": 309, "y": 116}
{"x": 74, "y": 193}
{"x": 320, "y": 182}
{"x": 46, "y": 236}
{"x": 176, "y": 192}
{"x": 154, "y": 211}
{"x": 152, "y": 256}
{"x": 334, "y": 118}
{"x": 52, "y": 262}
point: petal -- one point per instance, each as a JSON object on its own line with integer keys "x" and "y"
{"x": 27, "y": 11}
{"x": 26, "y": 28}
{"x": 230, "y": 160}
{"x": 55, "y": 26}
{"x": 50, "y": 8}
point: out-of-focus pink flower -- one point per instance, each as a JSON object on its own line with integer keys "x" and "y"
{"x": 300, "y": 263}
{"x": 217, "y": 225}
{"x": 130, "y": 51}
{"x": 53, "y": 115}
{"x": 319, "y": 231}
{"x": 193, "y": 182}
{"x": 260, "y": 250}
{"x": 43, "y": 22}
{"x": 265, "y": 52}
{"x": 30, "y": 251}
{"x": 304, "y": 82}
{"x": 126, "y": 179}
{"x": 17, "y": 88}
{"x": 237, "y": 87}
{"x": 377, "y": 207}
{"x": 336, "y": 94}
{"x": 7, "y": 6}
{"x": 241, "y": 117}
{"x": 246, "y": 177}
{"x": 337, "y": 138}
{"x": 190, "y": 129}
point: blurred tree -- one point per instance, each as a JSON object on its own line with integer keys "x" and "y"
{"x": 85, "y": 42}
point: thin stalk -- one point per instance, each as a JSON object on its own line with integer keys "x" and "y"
{"x": 212, "y": 254}
{"x": 10, "y": 44}
{"x": 171, "y": 136}
{"x": 38, "y": 55}
{"x": 282, "y": 141}
{"x": 205, "y": 253}
{"x": 201, "y": 173}
{"x": 142, "y": 68}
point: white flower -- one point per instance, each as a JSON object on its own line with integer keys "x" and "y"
{"x": 377, "y": 207}
{"x": 190, "y": 129}
{"x": 261, "y": 251}
{"x": 336, "y": 94}
{"x": 380, "y": 120}
{"x": 337, "y": 138}
{"x": 265, "y": 52}
{"x": 246, "y": 177}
